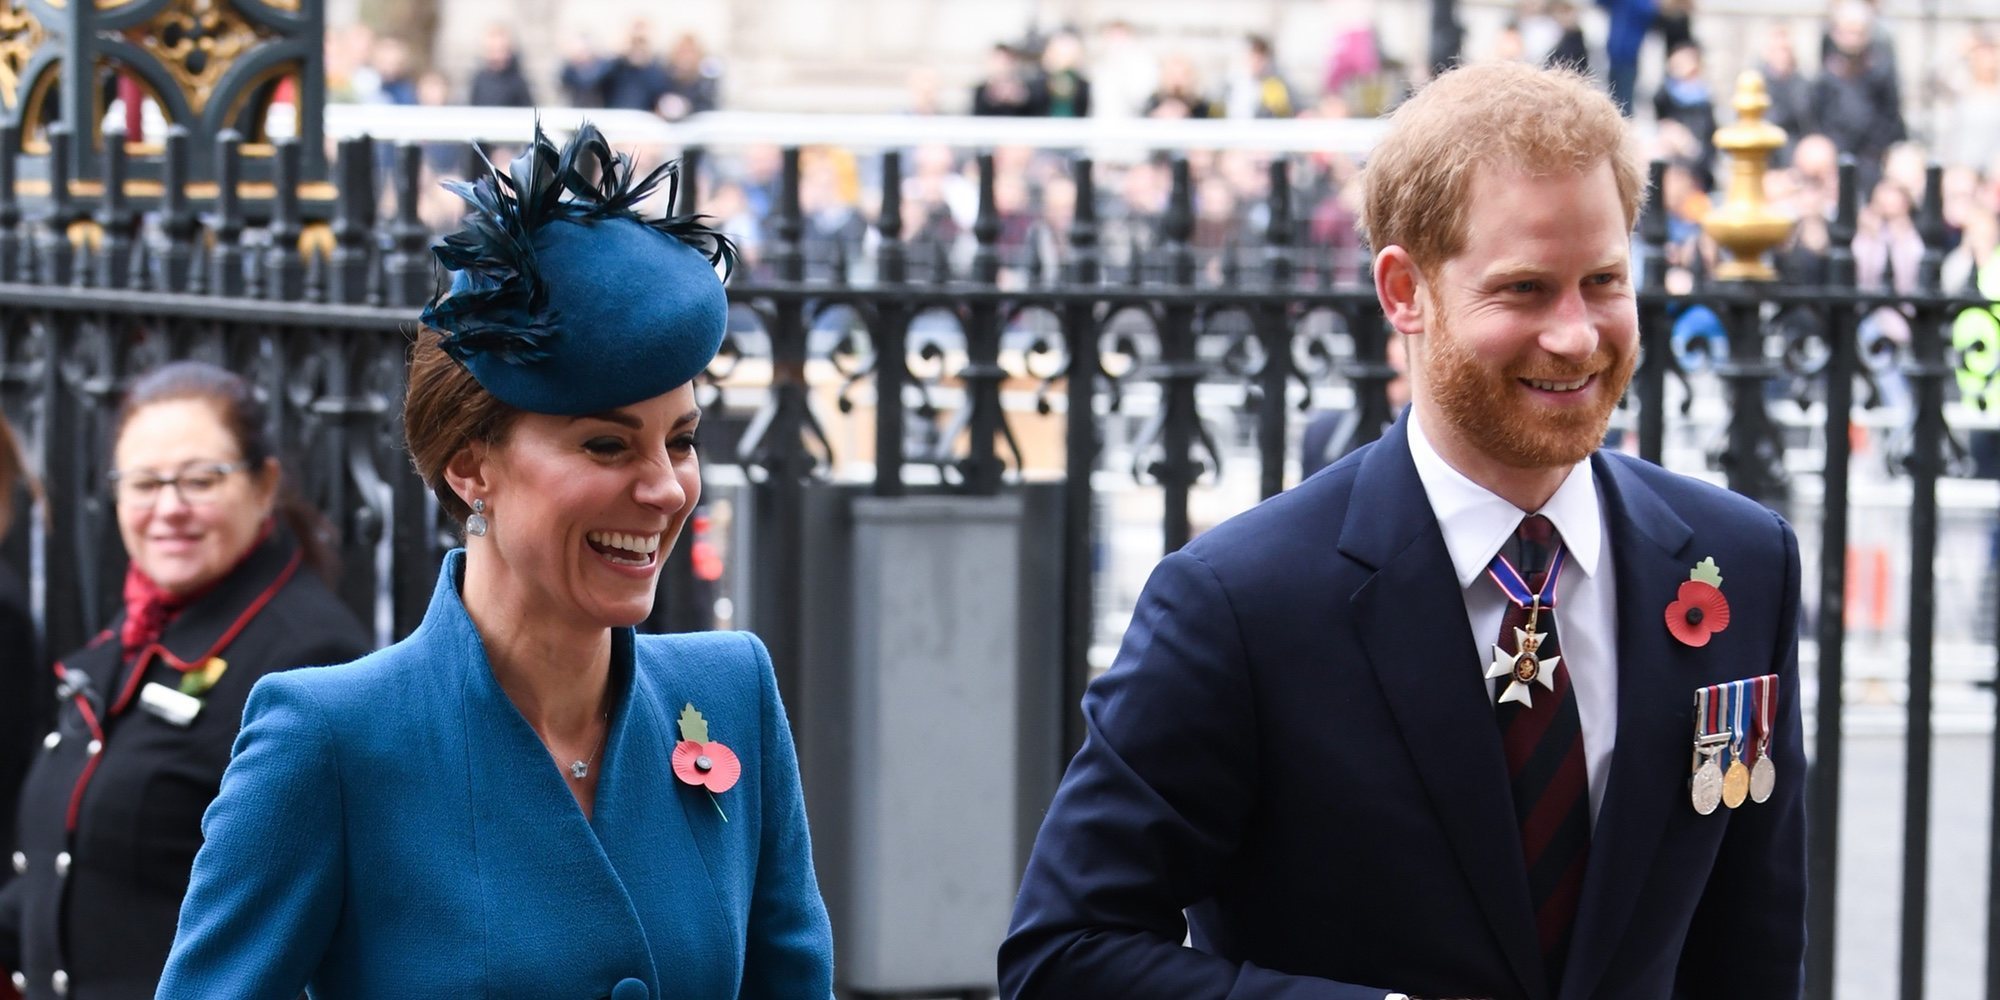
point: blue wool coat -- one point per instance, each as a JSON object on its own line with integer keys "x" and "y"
{"x": 392, "y": 827}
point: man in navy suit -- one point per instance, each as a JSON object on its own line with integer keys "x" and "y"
{"x": 1425, "y": 725}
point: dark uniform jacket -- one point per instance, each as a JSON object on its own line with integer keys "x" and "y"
{"x": 110, "y": 815}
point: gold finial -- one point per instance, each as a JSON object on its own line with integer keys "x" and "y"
{"x": 1744, "y": 224}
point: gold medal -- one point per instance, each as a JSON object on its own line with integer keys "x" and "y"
{"x": 1735, "y": 784}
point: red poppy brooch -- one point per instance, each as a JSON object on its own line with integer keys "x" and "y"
{"x": 702, "y": 762}
{"x": 1699, "y": 610}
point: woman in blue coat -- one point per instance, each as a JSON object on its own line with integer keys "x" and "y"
{"x": 524, "y": 798}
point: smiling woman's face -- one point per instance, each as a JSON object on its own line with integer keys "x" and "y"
{"x": 187, "y": 536}
{"x": 583, "y": 510}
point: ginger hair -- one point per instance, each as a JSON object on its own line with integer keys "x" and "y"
{"x": 1508, "y": 116}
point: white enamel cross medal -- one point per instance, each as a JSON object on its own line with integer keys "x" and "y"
{"x": 1525, "y": 667}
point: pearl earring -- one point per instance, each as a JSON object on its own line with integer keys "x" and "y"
{"x": 476, "y": 524}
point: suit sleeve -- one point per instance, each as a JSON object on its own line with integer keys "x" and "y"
{"x": 789, "y": 954}
{"x": 1149, "y": 817}
{"x": 266, "y": 890}
{"x": 1748, "y": 939}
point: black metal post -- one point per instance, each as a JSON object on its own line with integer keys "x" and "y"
{"x": 353, "y": 221}
{"x": 1753, "y": 459}
{"x": 177, "y": 221}
{"x": 981, "y": 467}
{"x": 1179, "y": 369}
{"x": 1081, "y": 445}
{"x": 115, "y": 218}
{"x": 284, "y": 272}
{"x": 891, "y": 335}
{"x": 56, "y": 257}
{"x": 782, "y": 454}
{"x": 1655, "y": 330}
{"x": 1927, "y": 371}
{"x": 1274, "y": 331}
{"x": 407, "y": 266}
{"x": 1823, "y": 792}
{"x": 227, "y": 278}
{"x": 12, "y": 247}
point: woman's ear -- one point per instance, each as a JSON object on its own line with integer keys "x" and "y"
{"x": 1399, "y": 287}
{"x": 468, "y": 472}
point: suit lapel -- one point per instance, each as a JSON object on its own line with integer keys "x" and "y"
{"x": 1410, "y": 617}
{"x": 1648, "y": 543}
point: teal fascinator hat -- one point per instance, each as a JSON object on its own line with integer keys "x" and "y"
{"x": 563, "y": 299}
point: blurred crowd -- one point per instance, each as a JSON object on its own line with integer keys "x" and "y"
{"x": 1844, "y": 96}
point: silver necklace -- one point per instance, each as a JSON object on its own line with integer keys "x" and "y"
{"x": 580, "y": 769}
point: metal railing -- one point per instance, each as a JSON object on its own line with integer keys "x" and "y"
{"x": 952, "y": 369}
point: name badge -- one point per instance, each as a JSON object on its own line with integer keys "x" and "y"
{"x": 171, "y": 705}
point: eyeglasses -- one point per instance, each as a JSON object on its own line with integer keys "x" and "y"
{"x": 196, "y": 484}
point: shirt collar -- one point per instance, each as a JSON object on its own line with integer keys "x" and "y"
{"x": 1476, "y": 521}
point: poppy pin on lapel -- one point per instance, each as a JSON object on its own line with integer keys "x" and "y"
{"x": 196, "y": 680}
{"x": 1699, "y": 610}
{"x": 702, "y": 762}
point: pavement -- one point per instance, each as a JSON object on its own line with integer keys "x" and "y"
{"x": 1869, "y": 925}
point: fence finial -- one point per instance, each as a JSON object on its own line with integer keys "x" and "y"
{"x": 1745, "y": 224}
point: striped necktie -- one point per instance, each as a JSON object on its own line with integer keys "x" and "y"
{"x": 1544, "y": 745}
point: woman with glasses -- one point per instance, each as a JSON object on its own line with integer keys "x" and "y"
{"x": 225, "y": 585}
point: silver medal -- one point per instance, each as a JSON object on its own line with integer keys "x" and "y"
{"x": 1705, "y": 788}
{"x": 1763, "y": 778}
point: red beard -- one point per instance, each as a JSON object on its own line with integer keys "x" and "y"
{"x": 1494, "y": 414}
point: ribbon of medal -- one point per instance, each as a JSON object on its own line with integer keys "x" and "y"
{"x": 1525, "y": 665}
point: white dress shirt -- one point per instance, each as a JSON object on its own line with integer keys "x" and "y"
{"x": 1476, "y": 523}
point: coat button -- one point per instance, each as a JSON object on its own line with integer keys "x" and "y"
{"x": 62, "y": 865}
{"x": 60, "y": 983}
{"x": 94, "y": 747}
{"x": 51, "y": 741}
{"x": 20, "y": 863}
{"x": 20, "y": 980}
{"x": 629, "y": 989}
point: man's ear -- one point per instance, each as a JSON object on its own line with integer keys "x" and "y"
{"x": 1400, "y": 288}
{"x": 468, "y": 472}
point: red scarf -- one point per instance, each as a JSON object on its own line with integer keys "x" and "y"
{"x": 149, "y": 609}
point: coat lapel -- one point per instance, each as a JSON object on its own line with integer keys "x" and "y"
{"x": 1648, "y": 543}
{"x": 536, "y": 853}
{"x": 1410, "y": 616}
{"x": 650, "y": 840}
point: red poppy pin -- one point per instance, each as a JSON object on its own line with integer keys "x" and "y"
{"x": 702, "y": 762}
{"x": 1699, "y": 610}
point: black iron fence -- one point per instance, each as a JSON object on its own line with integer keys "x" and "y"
{"x": 952, "y": 369}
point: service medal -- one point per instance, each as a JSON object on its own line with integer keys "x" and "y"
{"x": 1736, "y": 708}
{"x": 1706, "y": 786}
{"x": 1710, "y": 739}
{"x": 1764, "y": 774}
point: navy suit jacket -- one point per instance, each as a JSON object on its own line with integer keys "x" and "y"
{"x": 1295, "y": 762}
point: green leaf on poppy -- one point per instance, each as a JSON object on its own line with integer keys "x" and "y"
{"x": 693, "y": 726}
{"x": 1707, "y": 572}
